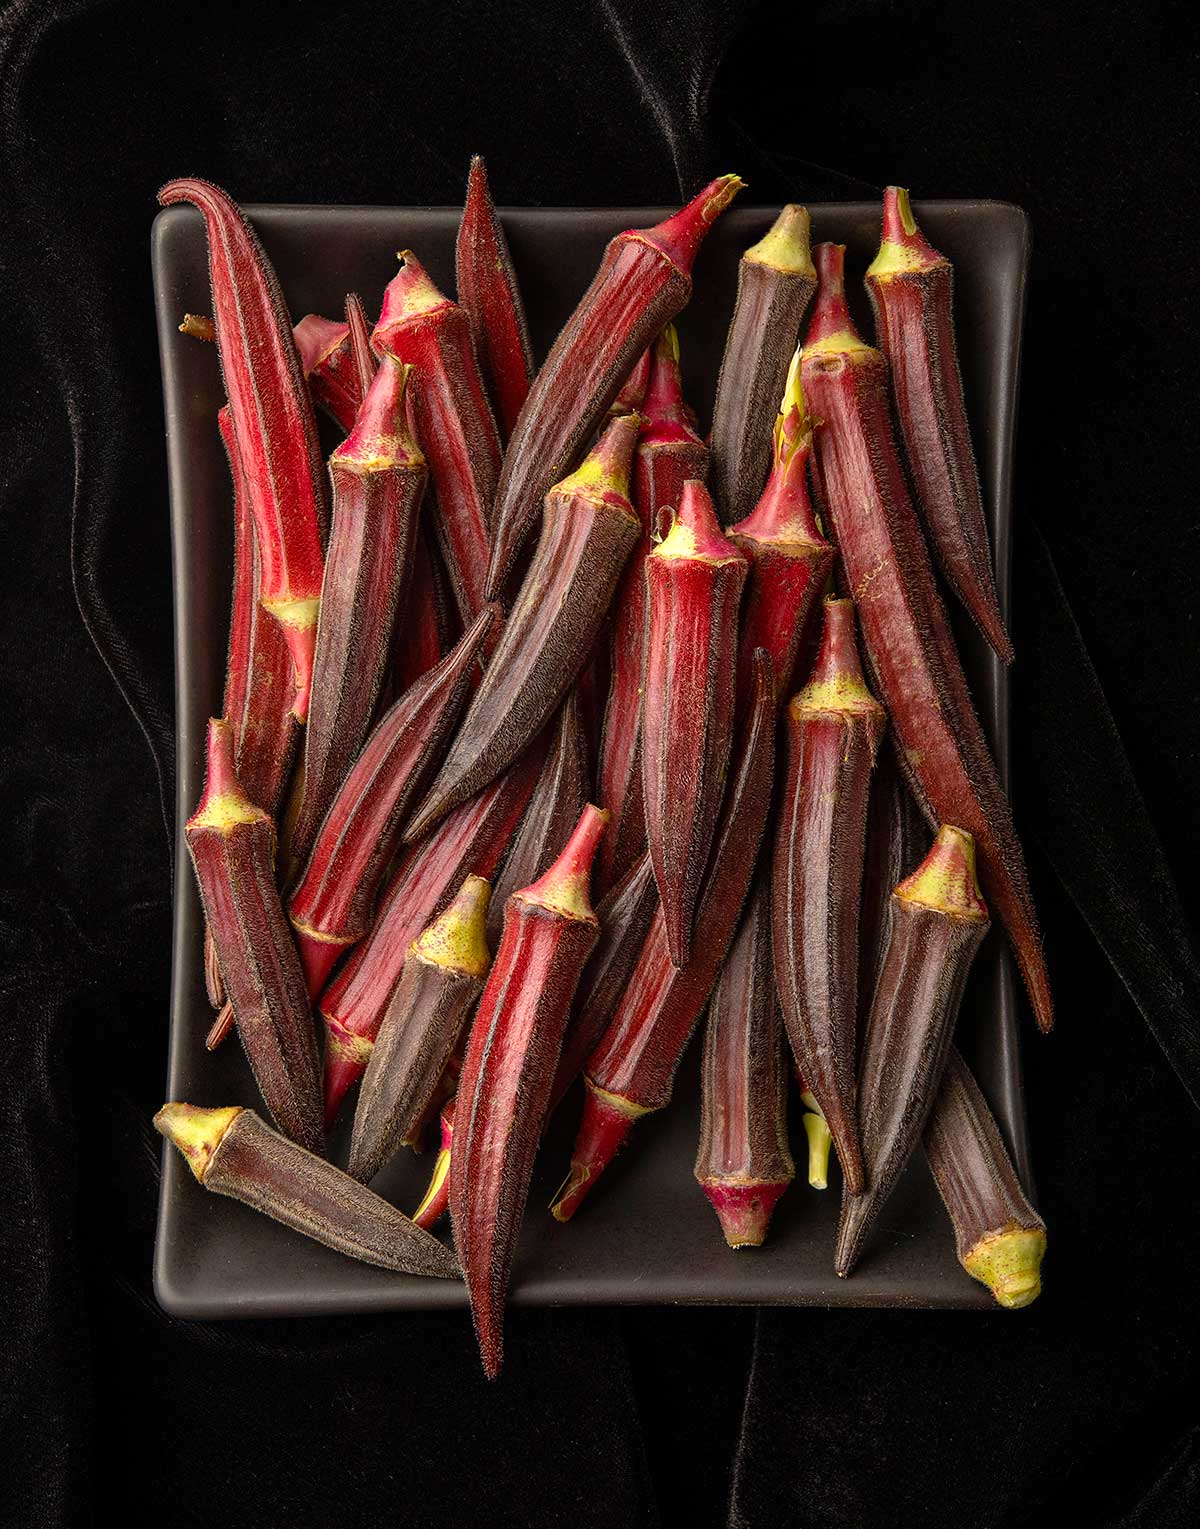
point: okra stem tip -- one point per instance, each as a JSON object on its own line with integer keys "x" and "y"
{"x": 317, "y": 338}
{"x": 457, "y": 939}
{"x": 945, "y": 880}
{"x": 196, "y": 1132}
{"x": 680, "y": 235}
{"x": 816, "y": 1129}
{"x": 411, "y": 293}
{"x": 831, "y": 328}
{"x": 565, "y": 887}
{"x": 223, "y": 804}
{"x": 903, "y": 247}
{"x": 198, "y": 326}
{"x": 695, "y": 531}
{"x": 605, "y": 469}
{"x": 785, "y": 245}
{"x": 837, "y": 683}
{"x": 743, "y": 1209}
{"x": 1009, "y": 1264}
{"x": 607, "y": 1121}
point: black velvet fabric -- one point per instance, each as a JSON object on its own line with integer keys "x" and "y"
{"x": 1081, "y": 1410}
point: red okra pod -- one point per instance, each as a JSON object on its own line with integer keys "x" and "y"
{"x": 472, "y": 840}
{"x": 490, "y": 297}
{"x": 694, "y": 580}
{"x": 669, "y": 452}
{"x": 632, "y": 1069}
{"x": 999, "y": 1237}
{"x": 324, "y": 346}
{"x": 911, "y": 287}
{"x": 444, "y": 972}
{"x": 939, "y": 920}
{"x": 422, "y": 327}
{"x": 833, "y": 728}
{"x": 331, "y": 906}
{"x": 420, "y": 637}
{"x": 776, "y": 281}
{"x": 588, "y": 533}
{"x": 633, "y": 389}
{"x": 436, "y": 1200}
{"x": 504, "y": 1091}
{"x": 272, "y": 420}
{"x": 910, "y": 649}
{"x": 743, "y": 1164}
{"x": 232, "y": 1152}
{"x": 232, "y": 845}
{"x": 644, "y": 280}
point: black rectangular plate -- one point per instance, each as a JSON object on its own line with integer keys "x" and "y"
{"x": 648, "y": 1236}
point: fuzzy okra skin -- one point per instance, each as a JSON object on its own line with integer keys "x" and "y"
{"x": 232, "y": 845}
{"x": 444, "y": 973}
{"x": 328, "y": 365}
{"x": 472, "y": 839}
{"x": 330, "y": 908}
{"x": 743, "y": 1163}
{"x": 420, "y": 637}
{"x": 490, "y": 297}
{"x": 272, "y": 420}
{"x": 896, "y": 840}
{"x": 233, "y": 1152}
{"x": 588, "y": 533}
{"x": 999, "y": 1237}
{"x": 909, "y": 646}
{"x": 669, "y": 453}
{"x": 436, "y": 1200}
{"x": 632, "y": 1068}
{"x": 938, "y": 922}
{"x": 911, "y": 287}
{"x": 453, "y": 419}
{"x": 776, "y": 281}
{"x": 633, "y": 390}
{"x": 504, "y": 1089}
{"x": 833, "y": 730}
{"x": 694, "y": 580}
{"x": 644, "y": 280}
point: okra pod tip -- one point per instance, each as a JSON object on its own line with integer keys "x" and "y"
{"x": 1009, "y": 1263}
{"x": 903, "y": 247}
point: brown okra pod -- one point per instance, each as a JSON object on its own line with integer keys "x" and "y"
{"x": 743, "y": 1163}
{"x": 896, "y": 837}
{"x": 999, "y": 1237}
{"x": 776, "y": 281}
{"x": 504, "y": 1090}
{"x": 833, "y": 728}
{"x": 443, "y": 975}
{"x": 233, "y": 1152}
{"x": 587, "y": 534}
{"x": 436, "y": 1200}
{"x": 938, "y": 922}
{"x": 232, "y": 845}
{"x": 911, "y": 287}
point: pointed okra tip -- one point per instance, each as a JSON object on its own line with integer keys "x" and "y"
{"x": 837, "y": 683}
{"x": 411, "y": 294}
{"x": 566, "y": 886}
{"x": 604, "y": 472}
{"x": 196, "y": 1132}
{"x": 1009, "y": 1263}
{"x": 359, "y": 332}
{"x": 831, "y": 330}
{"x": 946, "y": 880}
{"x": 786, "y": 245}
{"x": 381, "y": 440}
{"x": 456, "y": 939}
{"x": 903, "y": 246}
{"x": 695, "y": 532}
{"x": 784, "y": 514}
{"x": 224, "y": 804}
{"x": 680, "y": 236}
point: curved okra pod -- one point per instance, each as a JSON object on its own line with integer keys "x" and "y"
{"x": 776, "y": 281}
{"x": 911, "y": 287}
{"x": 694, "y": 580}
{"x": 743, "y": 1164}
{"x": 644, "y": 280}
{"x": 912, "y": 657}
{"x": 272, "y": 421}
{"x": 232, "y": 1152}
{"x": 588, "y": 533}
{"x": 443, "y": 975}
{"x": 939, "y": 920}
{"x": 232, "y": 845}
{"x": 504, "y": 1090}
{"x": 833, "y": 728}
{"x": 632, "y": 1069}
{"x": 436, "y": 1200}
{"x": 489, "y": 296}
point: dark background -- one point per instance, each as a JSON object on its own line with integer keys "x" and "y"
{"x": 1082, "y": 1410}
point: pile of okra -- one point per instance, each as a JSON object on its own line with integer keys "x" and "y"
{"x": 550, "y": 728}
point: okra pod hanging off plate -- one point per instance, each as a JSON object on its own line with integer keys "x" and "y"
{"x": 833, "y": 730}
{"x": 436, "y": 1200}
{"x": 912, "y": 658}
{"x": 694, "y": 580}
{"x": 232, "y": 845}
{"x": 588, "y": 533}
{"x": 489, "y": 296}
{"x": 776, "y": 281}
{"x": 743, "y": 1163}
{"x": 453, "y": 418}
{"x": 1000, "y": 1238}
{"x": 644, "y": 280}
{"x": 443, "y": 975}
{"x": 938, "y": 923}
{"x": 632, "y": 1069}
{"x": 331, "y": 906}
{"x": 504, "y": 1090}
{"x": 232, "y": 1152}
{"x": 911, "y": 287}
{"x": 272, "y": 421}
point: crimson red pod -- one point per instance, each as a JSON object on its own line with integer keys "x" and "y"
{"x": 910, "y": 650}
{"x": 504, "y": 1089}
{"x": 421, "y": 636}
{"x": 329, "y": 366}
{"x": 694, "y": 580}
{"x": 633, "y": 389}
{"x": 643, "y": 281}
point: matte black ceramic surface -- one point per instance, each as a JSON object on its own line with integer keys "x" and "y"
{"x": 647, "y": 1235}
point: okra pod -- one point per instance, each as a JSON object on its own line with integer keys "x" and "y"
{"x": 436, "y": 1200}
{"x": 633, "y": 389}
{"x": 329, "y": 367}
{"x": 420, "y": 637}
